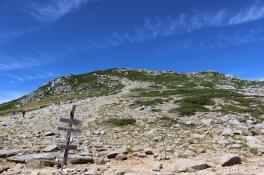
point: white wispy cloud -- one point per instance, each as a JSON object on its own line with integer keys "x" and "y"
{"x": 34, "y": 76}
{"x": 9, "y": 95}
{"x": 170, "y": 26}
{"x": 45, "y": 12}
{"x": 9, "y": 63}
{"x": 52, "y": 10}
{"x": 248, "y": 14}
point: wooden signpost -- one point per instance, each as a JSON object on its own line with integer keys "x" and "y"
{"x": 69, "y": 129}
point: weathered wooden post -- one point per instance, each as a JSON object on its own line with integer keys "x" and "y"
{"x": 70, "y": 121}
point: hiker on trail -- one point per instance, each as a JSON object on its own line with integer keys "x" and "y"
{"x": 14, "y": 114}
{"x": 23, "y": 113}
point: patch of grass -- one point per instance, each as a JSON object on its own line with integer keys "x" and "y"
{"x": 120, "y": 122}
{"x": 169, "y": 121}
{"x": 193, "y": 104}
{"x": 254, "y": 151}
{"x": 236, "y": 109}
{"x": 149, "y": 102}
{"x": 156, "y": 110}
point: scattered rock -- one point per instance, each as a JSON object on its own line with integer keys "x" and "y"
{"x": 100, "y": 161}
{"x": 121, "y": 157}
{"x": 254, "y": 142}
{"x": 206, "y": 122}
{"x": 112, "y": 154}
{"x": 184, "y": 165}
{"x": 75, "y": 159}
{"x": 228, "y": 132}
{"x": 157, "y": 167}
{"x": 48, "y": 133}
{"x": 148, "y": 151}
{"x": 29, "y": 157}
{"x": 50, "y": 148}
{"x": 7, "y": 153}
{"x": 229, "y": 160}
{"x": 2, "y": 169}
{"x": 39, "y": 163}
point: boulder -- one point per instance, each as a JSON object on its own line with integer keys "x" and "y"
{"x": 75, "y": 159}
{"x": 29, "y": 157}
{"x": 113, "y": 154}
{"x": 229, "y": 160}
{"x": 7, "y": 153}
{"x": 2, "y": 169}
{"x": 254, "y": 143}
{"x": 184, "y": 165}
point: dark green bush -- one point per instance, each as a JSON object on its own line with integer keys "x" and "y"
{"x": 121, "y": 121}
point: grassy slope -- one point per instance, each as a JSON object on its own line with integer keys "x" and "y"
{"x": 197, "y": 90}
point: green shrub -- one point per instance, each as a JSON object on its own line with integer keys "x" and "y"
{"x": 121, "y": 121}
{"x": 193, "y": 104}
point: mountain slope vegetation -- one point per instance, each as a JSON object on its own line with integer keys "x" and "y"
{"x": 197, "y": 90}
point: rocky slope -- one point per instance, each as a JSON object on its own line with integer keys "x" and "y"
{"x": 138, "y": 122}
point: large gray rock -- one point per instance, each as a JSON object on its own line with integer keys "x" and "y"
{"x": 184, "y": 165}
{"x": 206, "y": 122}
{"x": 2, "y": 169}
{"x": 229, "y": 160}
{"x": 29, "y": 157}
{"x": 255, "y": 143}
{"x": 7, "y": 153}
{"x": 113, "y": 154}
{"x": 228, "y": 132}
{"x": 75, "y": 159}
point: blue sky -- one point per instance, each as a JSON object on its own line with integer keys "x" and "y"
{"x": 43, "y": 39}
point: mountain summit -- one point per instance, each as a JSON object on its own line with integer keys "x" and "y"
{"x": 102, "y": 83}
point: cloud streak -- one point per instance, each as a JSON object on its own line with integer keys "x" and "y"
{"x": 36, "y": 76}
{"x": 157, "y": 27}
{"x": 9, "y": 95}
{"x": 8, "y": 63}
{"x": 53, "y": 10}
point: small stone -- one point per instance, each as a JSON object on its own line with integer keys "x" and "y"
{"x": 157, "y": 167}
{"x": 100, "y": 161}
{"x": 121, "y": 157}
{"x": 48, "y": 133}
{"x": 50, "y": 148}
{"x": 112, "y": 154}
{"x": 184, "y": 165}
{"x": 148, "y": 151}
{"x": 228, "y": 132}
{"x": 229, "y": 160}
{"x": 189, "y": 123}
{"x": 206, "y": 122}
{"x": 140, "y": 154}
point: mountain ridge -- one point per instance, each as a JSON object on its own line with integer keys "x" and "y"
{"x": 106, "y": 82}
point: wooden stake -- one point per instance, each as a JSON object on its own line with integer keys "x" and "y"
{"x": 68, "y": 138}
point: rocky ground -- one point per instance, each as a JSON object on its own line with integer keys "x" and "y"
{"x": 160, "y": 142}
